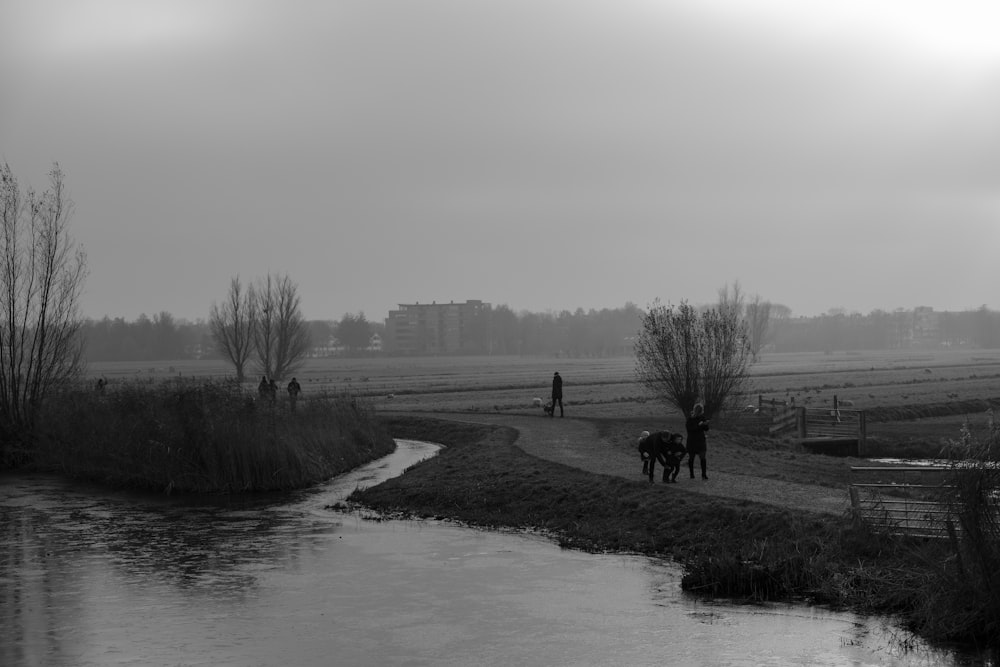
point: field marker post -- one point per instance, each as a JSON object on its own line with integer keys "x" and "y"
{"x": 855, "y": 504}
{"x": 862, "y": 433}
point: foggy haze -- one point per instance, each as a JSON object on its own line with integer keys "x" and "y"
{"x": 547, "y": 155}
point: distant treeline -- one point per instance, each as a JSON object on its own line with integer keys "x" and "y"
{"x": 163, "y": 337}
{"x": 593, "y": 333}
{"x": 882, "y": 330}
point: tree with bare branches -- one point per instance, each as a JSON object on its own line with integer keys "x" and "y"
{"x": 42, "y": 274}
{"x": 753, "y": 310}
{"x": 231, "y": 325}
{"x": 281, "y": 334}
{"x": 686, "y": 356}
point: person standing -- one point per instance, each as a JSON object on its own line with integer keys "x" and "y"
{"x": 556, "y": 395}
{"x": 294, "y": 389}
{"x": 697, "y": 444}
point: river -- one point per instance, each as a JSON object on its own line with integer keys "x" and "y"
{"x": 95, "y": 577}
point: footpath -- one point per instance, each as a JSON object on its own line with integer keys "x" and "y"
{"x": 576, "y": 443}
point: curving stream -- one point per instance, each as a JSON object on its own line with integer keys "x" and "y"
{"x": 92, "y": 577}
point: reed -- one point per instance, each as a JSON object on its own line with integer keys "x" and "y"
{"x": 963, "y": 598}
{"x": 204, "y": 436}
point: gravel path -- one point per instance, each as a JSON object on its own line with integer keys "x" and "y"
{"x": 576, "y": 443}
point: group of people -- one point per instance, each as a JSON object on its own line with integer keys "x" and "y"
{"x": 664, "y": 447}
{"x": 669, "y": 449}
{"x": 268, "y": 389}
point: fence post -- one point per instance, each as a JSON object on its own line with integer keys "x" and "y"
{"x": 862, "y": 433}
{"x": 801, "y": 419}
{"x": 855, "y": 504}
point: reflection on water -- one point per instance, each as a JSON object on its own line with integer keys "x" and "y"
{"x": 89, "y": 577}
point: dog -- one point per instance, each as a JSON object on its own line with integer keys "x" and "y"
{"x": 548, "y": 408}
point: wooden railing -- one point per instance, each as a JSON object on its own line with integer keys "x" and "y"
{"x": 818, "y": 425}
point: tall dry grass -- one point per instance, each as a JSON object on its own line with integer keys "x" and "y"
{"x": 964, "y": 599}
{"x": 204, "y": 436}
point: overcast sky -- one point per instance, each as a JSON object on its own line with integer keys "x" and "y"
{"x": 542, "y": 154}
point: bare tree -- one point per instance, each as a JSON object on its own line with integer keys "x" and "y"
{"x": 686, "y": 356}
{"x": 754, "y": 311}
{"x": 758, "y": 318}
{"x": 232, "y": 326}
{"x": 281, "y": 334}
{"x": 42, "y": 274}
{"x": 732, "y": 298}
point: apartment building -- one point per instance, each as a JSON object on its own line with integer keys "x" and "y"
{"x": 436, "y": 328}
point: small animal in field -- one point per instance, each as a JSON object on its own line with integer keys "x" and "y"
{"x": 548, "y": 408}
{"x": 537, "y": 402}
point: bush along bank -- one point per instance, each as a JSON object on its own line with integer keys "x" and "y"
{"x": 204, "y": 437}
{"x": 732, "y": 549}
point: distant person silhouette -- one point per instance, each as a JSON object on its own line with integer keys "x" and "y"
{"x": 294, "y": 389}
{"x": 556, "y": 395}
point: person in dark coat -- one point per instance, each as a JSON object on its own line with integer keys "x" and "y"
{"x": 556, "y": 395}
{"x": 294, "y": 389}
{"x": 665, "y": 447}
{"x": 697, "y": 445}
{"x": 263, "y": 388}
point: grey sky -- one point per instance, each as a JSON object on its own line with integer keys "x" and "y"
{"x": 543, "y": 154}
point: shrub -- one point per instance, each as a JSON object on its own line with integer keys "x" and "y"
{"x": 205, "y": 436}
{"x": 964, "y": 600}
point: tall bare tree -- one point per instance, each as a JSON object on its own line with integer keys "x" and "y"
{"x": 758, "y": 318}
{"x": 686, "y": 356}
{"x": 232, "y": 325}
{"x": 753, "y": 310}
{"x": 281, "y": 334}
{"x": 732, "y": 298}
{"x": 42, "y": 274}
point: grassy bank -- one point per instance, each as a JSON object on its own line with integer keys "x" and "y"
{"x": 205, "y": 437}
{"x": 727, "y": 548}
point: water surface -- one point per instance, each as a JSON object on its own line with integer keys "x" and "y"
{"x": 92, "y": 577}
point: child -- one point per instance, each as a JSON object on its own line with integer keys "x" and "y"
{"x": 665, "y": 447}
{"x": 643, "y": 452}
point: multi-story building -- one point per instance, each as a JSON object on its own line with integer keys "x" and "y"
{"x": 926, "y": 327}
{"x": 436, "y": 328}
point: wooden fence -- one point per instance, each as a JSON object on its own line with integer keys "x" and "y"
{"x": 823, "y": 427}
{"x": 904, "y": 500}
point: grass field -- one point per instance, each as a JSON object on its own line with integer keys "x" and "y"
{"x": 600, "y": 388}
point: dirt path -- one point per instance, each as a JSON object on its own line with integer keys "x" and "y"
{"x": 576, "y": 443}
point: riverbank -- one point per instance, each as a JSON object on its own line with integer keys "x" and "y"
{"x": 769, "y": 524}
{"x": 203, "y": 436}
